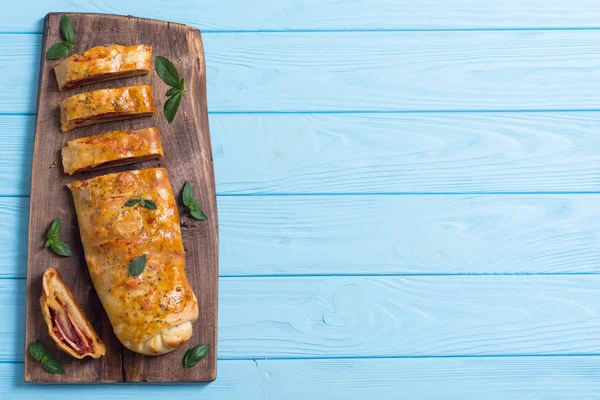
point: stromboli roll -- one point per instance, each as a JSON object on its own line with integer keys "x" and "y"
{"x": 111, "y": 149}
{"x": 106, "y": 105}
{"x": 151, "y": 313}
{"x": 103, "y": 63}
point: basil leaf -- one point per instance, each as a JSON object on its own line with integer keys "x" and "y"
{"x": 142, "y": 202}
{"x": 54, "y": 242}
{"x": 37, "y": 351}
{"x": 149, "y": 204}
{"x": 57, "y": 51}
{"x": 181, "y": 86}
{"x": 54, "y": 229}
{"x": 166, "y": 70}
{"x": 54, "y": 366}
{"x": 131, "y": 202}
{"x": 137, "y": 265}
{"x": 67, "y": 29}
{"x": 188, "y": 195}
{"x": 172, "y": 91}
{"x": 60, "y": 248}
{"x": 195, "y": 354}
{"x": 197, "y": 213}
{"x": 171, "y": 106}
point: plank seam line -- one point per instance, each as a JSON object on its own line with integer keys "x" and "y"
{"x": 366, "y": 30}
{"x": 364, "y": 194}
{"x": 437, "y": 111}
{"x": 313, "y": 358}
{"x": 384, "y": 275}
{"x": 317, "y": 194}
{"x": 359, "y": 112}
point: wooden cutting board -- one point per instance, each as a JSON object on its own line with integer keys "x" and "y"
{"x": 188, "y": 157}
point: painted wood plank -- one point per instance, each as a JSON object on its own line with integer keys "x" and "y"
{"x": 443, "y": 234}
{"x": 236, "y": 378}
{"x": 383, "y": 153}
{"x": 16, "y": 134}
{"x": 527, "y": 378}
{"x": 14, "y": 222}
{"x": 390, "y": 153}
{"x": 12, "y": 329}
{"x": 20, "y": 66}
{"x": 387, "y": 316}
{"x": 371, "y": 71}
{"x": 330, "y": 14}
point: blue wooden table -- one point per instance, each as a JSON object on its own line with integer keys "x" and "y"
{"x": 408, "y": 192}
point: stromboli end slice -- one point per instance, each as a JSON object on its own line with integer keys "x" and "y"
{"x": 151, "y": 313}
{"x": 67, "y": 324}
{"x": 106, "y": 105}
{"x": 111, "y": 149}
{"x": 102, "y": 63}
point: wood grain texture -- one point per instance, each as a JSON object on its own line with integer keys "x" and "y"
{"x": 442, "y": 234}
{"x": 329, "y": 14}
{"x": 16, "y": 133}
{"x": 383, "y": 153}
{"x": 324, "y": 317}
{"x": 404, "y": 153}
{"x": 527, "y": 378}
{"x": 373, "y": 71}
{"x": 188, "y": 157}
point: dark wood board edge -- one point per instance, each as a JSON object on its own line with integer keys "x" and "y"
{"x": 134, "y": 367}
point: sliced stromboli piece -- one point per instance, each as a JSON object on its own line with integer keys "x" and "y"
{"x": 106, "y": 105}
{"x": 111, "y": 149}
{"x": 151, "y": 312}
{"x": 67, "y": 324}
{"x": 102, "y": 64}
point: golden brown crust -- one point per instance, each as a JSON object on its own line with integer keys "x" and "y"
{"x": 102, "y": 64}
{"x": 67, "y": 324}
{"x": 150, "y": 313}
{"x": 111, "y": 149}
{"x": 106, "y": 105}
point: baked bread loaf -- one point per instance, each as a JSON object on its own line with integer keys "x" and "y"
{"x": 151, "y": 312}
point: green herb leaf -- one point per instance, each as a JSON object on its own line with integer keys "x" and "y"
{"x": 137, "y": 265}
{"x": 54, "y": 242}
{"x": 54, "y": 366}
{"x": 166, "y": 70}
{"x": 41, "y": 355}
{"x": 60, "y": 248}
{"x": 54, "y": 229}
{"x": 38, "y": 352}
{"x": 57, "y": 51}
{"x": 168, "y": 73}
{"x": 195, "y": 354}
{"x": 131, "y": 202}
{"x": 197, "y": 213}
{"x": 149, "y": 204}
{"x": 67, "y": 29}
{"x": 172, "y": 91}
{"x": 188, "y": 195}
{"x": 171, "y": 106}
